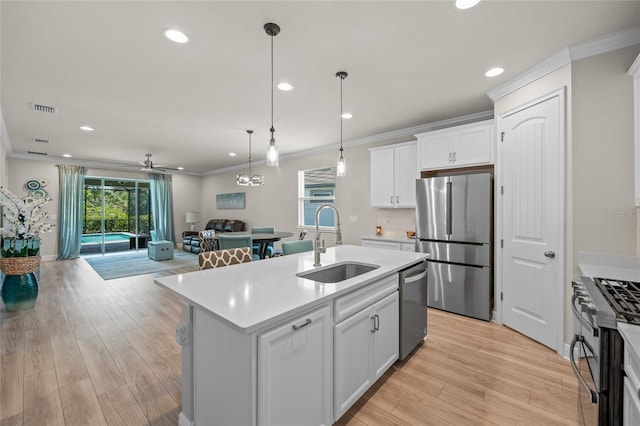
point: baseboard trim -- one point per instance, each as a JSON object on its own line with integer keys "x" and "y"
{"x": 184, "y": 421}
{"x": 567, "y": 351}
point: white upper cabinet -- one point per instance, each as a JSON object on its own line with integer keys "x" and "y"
{"x": 394, "y": 171}
{"x": 634, "y": 72}
{"x": 461, "y": 146}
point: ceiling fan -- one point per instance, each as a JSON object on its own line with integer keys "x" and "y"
{"x": 149, "y": 166}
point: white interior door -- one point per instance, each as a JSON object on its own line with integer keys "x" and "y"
{"x": 533, "y": 208}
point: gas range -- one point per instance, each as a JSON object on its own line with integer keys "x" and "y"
{"x": 598, "y": 304}
{"x": 622, "y": 296}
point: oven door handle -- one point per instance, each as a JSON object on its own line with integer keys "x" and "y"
{"x": 579, "y": 317}
{"x": 583, "y": 382}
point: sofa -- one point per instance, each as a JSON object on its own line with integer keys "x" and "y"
{"x": 191, "y": 241}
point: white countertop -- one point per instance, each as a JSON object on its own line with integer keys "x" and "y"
{"x": 391, "y": 239}
{"x": 609, "y": 266}
{"x": 252, "y": 295}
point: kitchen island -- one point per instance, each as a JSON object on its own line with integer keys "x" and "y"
{"x": 264, "y": 346}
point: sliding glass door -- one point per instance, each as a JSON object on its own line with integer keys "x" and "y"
{"x": 117, "y": 215}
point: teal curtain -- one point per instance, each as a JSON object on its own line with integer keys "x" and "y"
{"x": 70, "y": 210}
{"x": 162, "y": 205}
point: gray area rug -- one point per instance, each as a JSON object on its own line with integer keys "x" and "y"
{"x": 120, "y": 265}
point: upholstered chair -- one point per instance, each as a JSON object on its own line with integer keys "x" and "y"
{"x": 264, "y": 230}
{"x": 299, "y": 246}
{"x": 228, "y": 241}
{"x": 218, "y": 258}
{"x": 207, "y": 240}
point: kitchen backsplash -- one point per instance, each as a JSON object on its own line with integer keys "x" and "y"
{"x": 396, "y": 222}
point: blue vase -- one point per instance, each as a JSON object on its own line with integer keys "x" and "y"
{"x": 19, "y": 292}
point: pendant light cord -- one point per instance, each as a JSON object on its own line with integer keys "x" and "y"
{"x": 250, "y": 131}
{"x": 272, "y": 129}
{"x": 341, "y": 80}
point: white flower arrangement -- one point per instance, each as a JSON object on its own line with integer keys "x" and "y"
{"x": 23, "y": 220}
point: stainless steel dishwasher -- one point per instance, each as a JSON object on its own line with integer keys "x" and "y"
{"x": 413, "y": 307}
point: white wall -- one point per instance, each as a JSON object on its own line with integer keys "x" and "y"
{"x": 186, "y": 193}
{"x": 604, "y": 219}
{"x": 275, "y": 203}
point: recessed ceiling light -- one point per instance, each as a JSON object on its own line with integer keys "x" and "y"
{"x": 66, "y": 155}
{"x": 347, "y": 115}
{"x": 494, "y": 72}
{"x": 87, "y": 128}
{"x": 180, "y": 168}
{"x": 466, "y": 4}
{"x": 285, "y": 87}
{"x": 232, "y": 154}
{"x": 177, "y": 36}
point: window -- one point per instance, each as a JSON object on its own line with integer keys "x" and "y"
{"x": 315, "y": 188}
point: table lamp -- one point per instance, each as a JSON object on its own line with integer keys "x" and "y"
{"x": 193, "y": 218}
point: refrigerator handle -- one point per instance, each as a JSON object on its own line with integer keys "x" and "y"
{"x": 448, "y": 215}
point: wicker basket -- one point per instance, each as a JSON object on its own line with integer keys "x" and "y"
{"x": 19, "y": 265}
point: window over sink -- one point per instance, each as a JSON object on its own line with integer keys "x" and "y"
{"x": 315, "y": 188}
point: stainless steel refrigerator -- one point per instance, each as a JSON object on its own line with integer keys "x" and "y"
{"x": 454, "y": 223}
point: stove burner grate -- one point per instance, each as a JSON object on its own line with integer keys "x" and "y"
{"x": 623, "y": 296}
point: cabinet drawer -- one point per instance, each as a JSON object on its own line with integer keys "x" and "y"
{"x": 391, "y": 245}
{"x": 354, "y": 302}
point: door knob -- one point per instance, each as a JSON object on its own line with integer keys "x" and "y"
{"x": 550, "y": 254}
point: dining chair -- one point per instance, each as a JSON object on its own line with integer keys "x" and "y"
{"x": 218, "y": 258}
{"x": 207, "y": 240}
{"x": 299, "y": 246}
{"x": 264, "y": 230}
{"x": 229, "y": 241}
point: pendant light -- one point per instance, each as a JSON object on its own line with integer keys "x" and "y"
{"x": 249, "y": 179}
{"x": 272, "y": 30}
{"x": 341, "y": 166}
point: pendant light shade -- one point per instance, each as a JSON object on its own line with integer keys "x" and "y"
{"x": 341, "y": 166}
{"x": 249, "y": 179}
{"x": 272, "y": 30}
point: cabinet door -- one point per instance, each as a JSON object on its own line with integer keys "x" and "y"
{"x": 352, "y": 360}
{"x": 630, "y": 404}
{"x": 472, "y": 146}
{"x": 386, "y": 342}
{"x": 382, "y": 178}
{"x": 406, "y": 173}
{"x": 295, "y": 372}
{"x": 434, "y": 151}
{"x": 408, "y": 247}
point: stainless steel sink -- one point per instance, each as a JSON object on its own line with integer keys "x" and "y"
{"x": 338, "y": 272}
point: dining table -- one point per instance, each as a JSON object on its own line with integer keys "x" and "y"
{"x": 263, "y": 239}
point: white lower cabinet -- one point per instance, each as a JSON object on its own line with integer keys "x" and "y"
{"x": 295, "y": 371}
{"x": 366, "y": 345}
{"x": 631, "y": 405}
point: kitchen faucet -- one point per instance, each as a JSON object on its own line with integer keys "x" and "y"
{"x": 317, "y": 249}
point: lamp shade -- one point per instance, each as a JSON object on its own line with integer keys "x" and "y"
{"x": 193, "y": 217}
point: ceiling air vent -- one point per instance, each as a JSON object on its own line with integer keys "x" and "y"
{"x": 45, "y": 141}
{"x": 43, "y": 108}
{"x": 37, "y": 153}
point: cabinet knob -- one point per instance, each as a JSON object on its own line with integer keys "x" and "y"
{"x": 397, "y": 199}
{"x": 391, "y": 199}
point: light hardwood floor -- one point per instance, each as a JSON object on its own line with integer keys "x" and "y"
{"x": 97, "y": 352}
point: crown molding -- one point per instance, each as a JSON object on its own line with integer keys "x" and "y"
{"x": 604, "y": 44}
{"x": 408, "y": 132}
